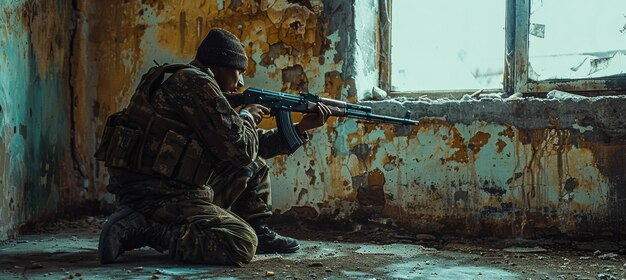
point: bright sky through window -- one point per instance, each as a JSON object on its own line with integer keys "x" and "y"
{"x": 447, "y": 44}
{"x": 573, "y": 39}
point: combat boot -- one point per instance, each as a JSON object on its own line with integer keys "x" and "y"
{"x": 124, "y": 230}
{"x": 272, "y": 242}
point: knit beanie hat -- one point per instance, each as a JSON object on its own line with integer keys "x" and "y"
{"x": 222, "y": 48}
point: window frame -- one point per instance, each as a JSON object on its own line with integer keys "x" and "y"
{"x": 515, "y": 80}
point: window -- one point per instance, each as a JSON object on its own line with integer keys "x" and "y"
{"x": 572, "y": 46}
{"x": 529, "y": 46}
{"x": 447, "y": 45}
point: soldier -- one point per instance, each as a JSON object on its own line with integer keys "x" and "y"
{"x": 187, "y": 169}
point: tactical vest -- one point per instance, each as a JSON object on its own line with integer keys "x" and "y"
{"x": 142, "y": 140}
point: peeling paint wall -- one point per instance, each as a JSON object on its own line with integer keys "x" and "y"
{"x": 292, "y": 46}
{"x": 36, "y": 174}
{"x": 533, "y": 167}
{"x": 490, "y": 167}
{"x": 530, "y": 167}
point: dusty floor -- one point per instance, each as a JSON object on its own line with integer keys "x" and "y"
{"x": 67, "y": 250}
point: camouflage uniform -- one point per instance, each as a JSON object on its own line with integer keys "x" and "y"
{"x": 205, "y": 231}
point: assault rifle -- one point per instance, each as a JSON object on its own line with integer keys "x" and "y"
{"x": 282, "y": 104}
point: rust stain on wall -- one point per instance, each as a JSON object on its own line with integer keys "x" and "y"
{"x": 280, "y": 166}
{"x": 479, "y": 140}
{"x": 376, "y": 178}
{"x": 508, "y": 132}
{"x": 369, "y": 188}
{"x": 389, "y": 134}
{"x": 275, "y": 51}
{"x": 107, "y": 58}
{"x": 501, "y": 144}
{"x": 334, "y": 189}
{"x": 299, "y": 27}
{"x": 114, "y": 44}
{"x": 333, "y": 84}
{"x": 295, "y": 79}
{"x": 552, "y": 184}
{"x": 456, "y": 141}
{"x": 389, "y": 161}
{"x": 610, "y": 158}
{"x": 311, "y": 174}
{"x": 47, "y": 42}
{"x": 544, "y": 143}
{"x": 535, "y": 138}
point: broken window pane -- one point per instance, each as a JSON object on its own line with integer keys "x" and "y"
{"x": 573, "y": 39}
{"x": 447, "y": 44}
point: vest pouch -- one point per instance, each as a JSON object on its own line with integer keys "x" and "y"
{"x": 189, "y": 164}
{"x": 107, "y": 136}
{"x": 169, "y": 154}
{"x": 122, "y": 146}
{"x": 105, "y": 142}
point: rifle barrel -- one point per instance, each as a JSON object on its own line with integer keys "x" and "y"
{"x": 345, "y": 105}
{"x": 380, "y": 118}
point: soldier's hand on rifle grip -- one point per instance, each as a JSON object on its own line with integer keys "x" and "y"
{"x": 314, "y": 119}
{"x": 257, "y": 111}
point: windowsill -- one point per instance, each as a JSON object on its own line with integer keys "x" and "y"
{"x": 440, "y": 94}
{"x": 553, "y": 96}
{"x": 475, "y": 95}
{"x": 600, "y": 116}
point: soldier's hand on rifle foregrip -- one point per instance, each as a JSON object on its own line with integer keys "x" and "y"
{"x": 314, "y": 119}
{"x": 257, "y": 111}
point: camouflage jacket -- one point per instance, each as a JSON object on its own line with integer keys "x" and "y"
{"x": 192, "y": 97}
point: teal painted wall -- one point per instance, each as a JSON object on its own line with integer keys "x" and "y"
{"x": 35, "y": 162}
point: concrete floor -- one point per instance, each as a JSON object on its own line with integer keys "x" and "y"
{"x": 69, "y": 252}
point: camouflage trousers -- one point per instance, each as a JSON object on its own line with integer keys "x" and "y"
{"x": 208, "y": 225}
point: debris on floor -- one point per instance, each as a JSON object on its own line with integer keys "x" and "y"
{"x": 70, "y": 252}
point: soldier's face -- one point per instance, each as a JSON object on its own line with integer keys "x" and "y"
{"x": 228, "y": 79}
